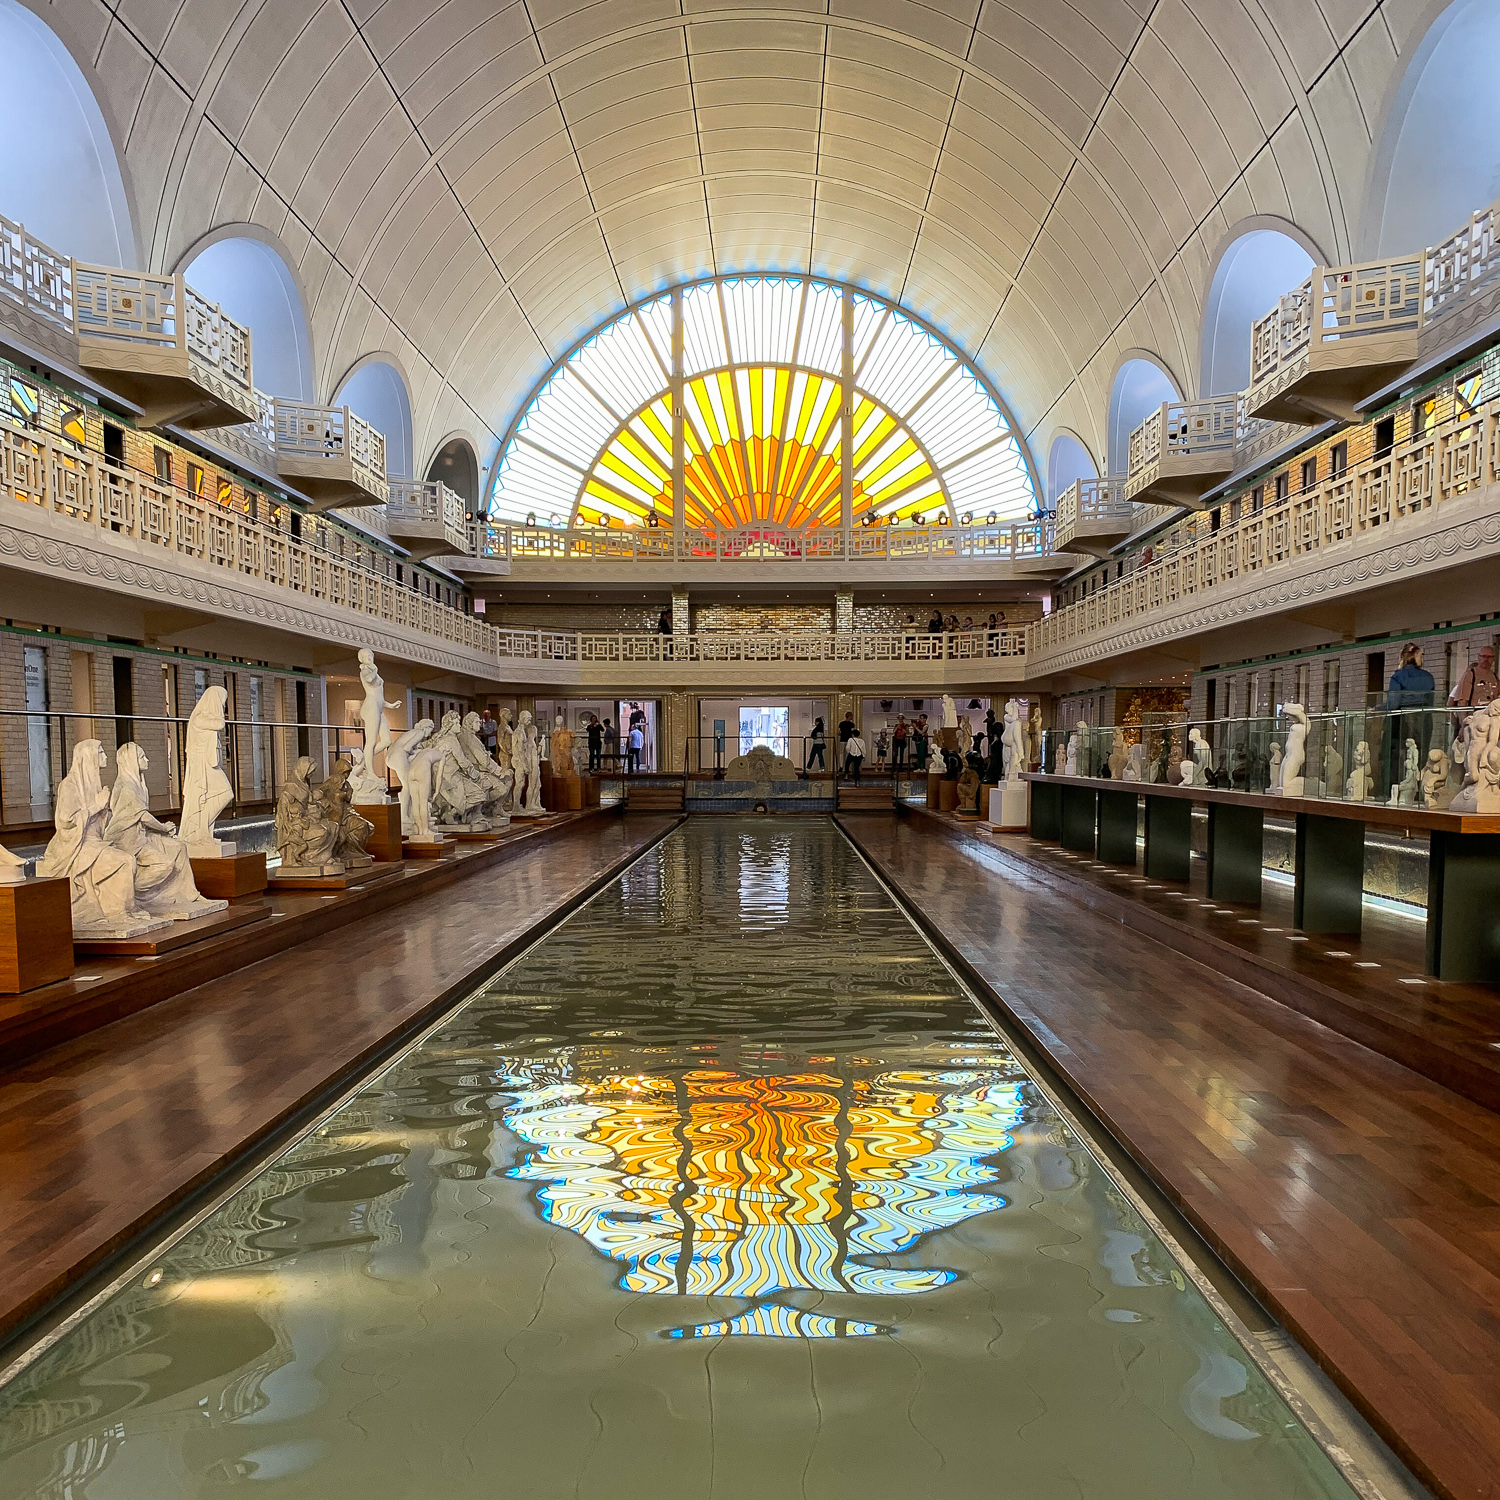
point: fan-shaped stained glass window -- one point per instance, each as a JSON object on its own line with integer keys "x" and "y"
{"x": 766, "y": 434}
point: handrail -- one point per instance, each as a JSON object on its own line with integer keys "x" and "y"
{"x": 428, "y": 500}
{"x": 63, "y": 480}
{"x": 1000, "y": 541}
{"x": 307, "y": 430}
{"x": 34, "y": 276}
{"x": 1449, "y": 459}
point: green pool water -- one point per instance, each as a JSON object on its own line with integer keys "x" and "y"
{"x": 725, "y": 1189}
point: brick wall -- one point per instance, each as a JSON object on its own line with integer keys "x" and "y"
{"x": 892, "y": 617}
{"x": 602, "y": 617}
{"x": 764, "y": 617}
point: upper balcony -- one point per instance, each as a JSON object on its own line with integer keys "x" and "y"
{"x": 1095, "y": 516}
{"x": 167, "y": 350}
{"x": 1184, "y": 449}
{"x": 995, "y": 550}
{"x": 335, "y": 457}
{"x": 429, "y": 519}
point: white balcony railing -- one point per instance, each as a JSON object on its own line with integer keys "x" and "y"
{"x": 314, "y": 439}
{"x": 429, "y": 505}
{"x": 161, "y": 312}
{"x": 1465, "y": 265}
{"x": 718, "y": 647}
{"x": 1017, "y": 541}
{"x": 1449, "y": 459}
{"x": 123, "y": 504}
{"x": 35, "y": 277}
{"x": 1094, "y": 508}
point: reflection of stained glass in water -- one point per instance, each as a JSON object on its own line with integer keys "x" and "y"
{"x": 714, "y": 1184}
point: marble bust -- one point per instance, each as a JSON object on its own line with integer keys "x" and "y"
{"x": 206, "y": 791}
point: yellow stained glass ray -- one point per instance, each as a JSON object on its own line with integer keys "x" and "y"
{"x": 761, "y": 443}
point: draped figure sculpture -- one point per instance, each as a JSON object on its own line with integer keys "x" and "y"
{"x": 206, "y": 791}
{"x": 102, "y": 877}
{"x": 527, "y": 761}
{"x": 398, "y": 759}
{"x": 336, "y": 800}
{"x": 368, "y": 784}
{"x": 459, "y": 790}
{"x": 305, "y": 838}
{"x": 497, "y": 782}
{"x": 504, "y": 737}
{"x": 12, "y": 867}
{"x": 164, "y": 884}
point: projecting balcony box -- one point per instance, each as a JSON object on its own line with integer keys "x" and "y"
{"x": 155, "y": 342}
{"x": 1093, "y": 516}
{"x": 1342, "y": 335}
{"x": 332, "y": 456}
{"x": 429, "y": 520}
{"x": 1183, "y": 450}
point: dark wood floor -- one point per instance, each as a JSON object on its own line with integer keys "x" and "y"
{"x": 100, "y": 1135}
{"x": 1359, "y": 1200}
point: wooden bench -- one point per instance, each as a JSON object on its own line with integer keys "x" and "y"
{"x": 1463, "y": 884}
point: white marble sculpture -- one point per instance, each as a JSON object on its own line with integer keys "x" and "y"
{"x": 1292, "y": 780}
{"x": 760, "y": 763}
{"x": 367, "y": 782}
{"x": 504, "y": 742}
{"x": 1202, "y": 759}
{"x": 1117, "y": 755}
{"x": 1070, "y": 766}
{"x": 1013, "y": 747}
{"x": 306, "y": 838}
{"x": 458, "y": 795}
{"x": 527, "y": 762}
{"x": 1360, "y": 783}
{"x": 498, "y": 781}
{"x": 1134, "y": 761}
{"x": 1404, "y": 793}
{"x": 164, "y": 884}
{"x": 102, "y": 877}
{"x": 421, "y": 777}
{"x": 206, "y": 791}
{"x": 398, "y": 760}
{"x": 965, "y": 737}
{"x": 368, "y": 787}
{"x": 1274, "y": 765}
{"x": 1481, "y": 754}
{"x": 1434, "y": 779}
{"x": 12, "y": 867}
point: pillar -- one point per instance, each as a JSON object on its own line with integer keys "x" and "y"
{"x": 843, "y": 611}
{"x": 682, "y": 620}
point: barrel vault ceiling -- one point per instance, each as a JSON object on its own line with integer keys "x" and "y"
{"x": 472, "y": 185}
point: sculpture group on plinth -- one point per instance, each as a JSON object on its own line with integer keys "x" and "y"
{"x": 206, "y": 791}
{"x": 398, "y": 759}
{"x": 164, "y": 884}
{"x": 468, "y": 791}
{"x": 102, "y": 877}
{"x": 305, "y": 838}
{"x": 337, "y": 800}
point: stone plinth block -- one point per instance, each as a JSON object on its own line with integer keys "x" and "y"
{"x": 36, "y": 934}
{"x": 1010, "y": 806}
{"x": 384, "y": 845}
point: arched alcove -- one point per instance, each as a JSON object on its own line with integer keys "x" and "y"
{"x": 1067, "y": 462}
{"x": 250, "y": 280}
{"x": 1255, "y": 270}
{"x": 60, "y": 176}
{"x": 1140, "y": 386}
{"x": 376, "y": 390}
{"x": 457, "y": 466}
{"x": 1438, "y": 159}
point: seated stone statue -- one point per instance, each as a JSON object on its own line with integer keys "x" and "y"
{"x": 459, "y": 789}
{"x": 305, "y": 838}
{"x": 497, "y": 780}
{"x": 164, "y": 883}
{"x": 102, "y": 877}
{"x": 336, "y": 797}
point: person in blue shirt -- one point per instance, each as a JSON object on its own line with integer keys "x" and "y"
{"x": 1412, "y": 688}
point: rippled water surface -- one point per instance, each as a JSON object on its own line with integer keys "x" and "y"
{"x": 724, "y": 1190}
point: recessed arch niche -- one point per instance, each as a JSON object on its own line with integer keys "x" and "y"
{"x": 456, "y": 465}
{"x": 252, "y": 282}
{"x": 60, "y": 175}
{"x": 376, "y": 390}
{"x": 1140, "y": 386}
{"x": 1256, "y": 269}
{"x": 1067, "y": 462}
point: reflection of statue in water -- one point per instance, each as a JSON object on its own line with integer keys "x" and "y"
{"x": 102, "y": 877}
{"x": 305, "y": 838}
{"x": 206, "y": 791}
{"x": 164, "y": 883}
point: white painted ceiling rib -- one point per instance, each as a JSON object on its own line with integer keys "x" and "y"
{"x": 474, "y": 184}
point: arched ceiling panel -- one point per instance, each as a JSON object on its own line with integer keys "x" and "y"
{"x": 474, "y": 183}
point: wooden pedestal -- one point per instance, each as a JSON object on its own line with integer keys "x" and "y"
{"x": 430, "y": 851}
{"x": 591, "y": 791}
{"x": 547, "y": 785}
{"x": 384, "y": 845}
{"x": 567, "y": 795}
{"x": 947, "y": 796}
{"x": 228, "y": 879}
{"x": 349, "y": 880}
{"x": 36, "y": 934}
